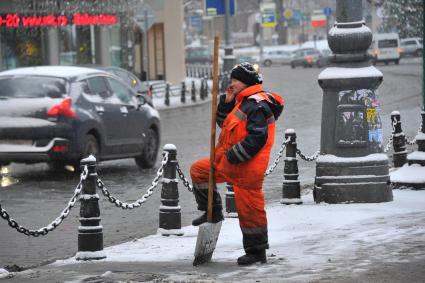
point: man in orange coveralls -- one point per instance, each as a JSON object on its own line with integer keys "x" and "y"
{"x": 246, "y": 115}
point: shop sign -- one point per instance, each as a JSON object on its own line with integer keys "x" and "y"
{"x": 268, "y": 14}
{"x": 15, "y": 20}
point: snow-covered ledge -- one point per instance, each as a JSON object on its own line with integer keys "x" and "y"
{"x": 349, "y": 73}
{"x": 329, "y": 158}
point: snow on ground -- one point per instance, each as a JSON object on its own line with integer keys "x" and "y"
{"x": 411, "y": 174}
{"x": 303, "y": 238}
{"x": 4, "y": 273}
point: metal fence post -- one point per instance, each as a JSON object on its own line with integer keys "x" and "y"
{"x": 193, "y": 92}
{"x": 399, "y": 141}
{"x": 206, "y": 87}
{"x": 183, "y": 92}
{"x": 230, "y": 201}
{"x": 167, "y": 95}
{"x": 291, "y": 192}
{"x": 201, "y": 90}
{"x": 90, "y": 232}
{"x": 420, "y": 138}
{"x": 169, "y": 211}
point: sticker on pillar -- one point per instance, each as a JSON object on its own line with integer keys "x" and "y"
{"x": 351, "y": 125}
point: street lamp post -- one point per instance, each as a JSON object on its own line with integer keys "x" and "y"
{"x": 352, "y": 166}
{"x": 229, "y": 59}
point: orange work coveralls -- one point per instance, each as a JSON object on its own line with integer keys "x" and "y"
{"x": 247, "y": 177}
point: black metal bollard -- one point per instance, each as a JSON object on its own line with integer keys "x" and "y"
{"x": 201, "y": 90}
{"x": 167, "y": 95}
{"x": 169, "y": 211}
{"x": 230, "y": 201}
{"x": 193, "y": 92}
{"x": 183, "y": 93}
{"x": 206, "y": 87}
{"x": 399, "y": 141}
{"x": 291, "y": 192}
{"x": 90, "y": 232}
{"x": 420, "y": 138}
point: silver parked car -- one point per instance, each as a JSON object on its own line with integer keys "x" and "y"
{"x": 276, "y": 57}
{"x": 411, "y": 46}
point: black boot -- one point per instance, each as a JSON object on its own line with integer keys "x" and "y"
{"x": 217, "y": 217}
{"x": 253, "y": 257}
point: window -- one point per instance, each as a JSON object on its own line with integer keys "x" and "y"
{"x": 387, "y": 43}
{"x": 409, "y": 42}
{"x": 98, "y": 86}
{"x": 32, "y": 87}
{"x": 87, "y": 92}
{"x": 121, "y": 91}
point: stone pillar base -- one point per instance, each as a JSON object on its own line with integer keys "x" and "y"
{"x": 352, "y": 180}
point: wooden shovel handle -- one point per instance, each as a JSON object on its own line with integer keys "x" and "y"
{"x": 211, "y": 180}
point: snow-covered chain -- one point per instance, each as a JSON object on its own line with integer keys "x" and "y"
{"x": 390, "y": 140}
{"x": 186, "y": 183}
{"x": 143, "y": 199}
{"x": 308, "y": 158}
{"x": 277, "y": 159}
{"x": 412, "y": 142}
{"x": 55, "y": 223}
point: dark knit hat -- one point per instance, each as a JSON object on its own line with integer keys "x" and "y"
{"x": 247, "y": 74}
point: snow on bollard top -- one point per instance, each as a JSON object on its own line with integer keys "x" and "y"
{"x": 395, "y": 112}
{"x": 420, "y": 136}
{"x": 290, "y": 131}
{"x": 170, "y": 146}
{"x": 90, "y": 158}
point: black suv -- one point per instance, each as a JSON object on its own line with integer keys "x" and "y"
{"x": 61, "y": 114}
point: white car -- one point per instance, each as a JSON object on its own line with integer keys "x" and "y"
{"x": 411, "y": 46}
{"x": 276, "y": 57}
{"x": 385, "y": 48}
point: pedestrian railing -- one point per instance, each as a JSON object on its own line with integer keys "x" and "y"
{"x": 90, "y": 232}
{"x": 195, "y": 89}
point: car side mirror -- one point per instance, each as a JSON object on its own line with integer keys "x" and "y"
{"x": 141, "y": 100}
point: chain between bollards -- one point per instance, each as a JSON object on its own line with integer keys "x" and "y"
{"x": 143, "y": 199}
{"x": 54, "y": 224}
{"x": 277, "y": 159}
{"x": 308, "y": 158}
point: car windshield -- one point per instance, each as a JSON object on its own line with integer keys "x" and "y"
{"x": 32, "y": 87}
{"x": 387, "y": 43}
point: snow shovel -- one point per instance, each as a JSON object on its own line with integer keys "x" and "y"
{"x": 208, "y": 232}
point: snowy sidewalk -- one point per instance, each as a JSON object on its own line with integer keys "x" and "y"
{"x": 378, "y": 242}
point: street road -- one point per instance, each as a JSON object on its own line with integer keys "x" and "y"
{"x": 39, "y": 196}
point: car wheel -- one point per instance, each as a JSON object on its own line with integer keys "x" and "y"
{"x": 150, "y": 150}
{"x": 267, "y": 63}
{"x": 292, "y": 66}
{"x": 418, "y": 53}
{"x": 397, "y": 62}
{"x": 386, "y": 62}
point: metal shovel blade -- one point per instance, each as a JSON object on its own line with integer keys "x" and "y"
{"x": 206, "y": 242}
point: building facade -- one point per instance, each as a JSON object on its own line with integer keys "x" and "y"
{"x": 101, "y": 32}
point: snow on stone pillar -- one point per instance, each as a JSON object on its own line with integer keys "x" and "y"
{"x": 291, "y": 192}
{"x": 90, "y": 232}
{"x": 351, "y": 167}
{"x": 399, "y": 141}
{"x": 412, "y": 175}
{"x": 170, "y": 211}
